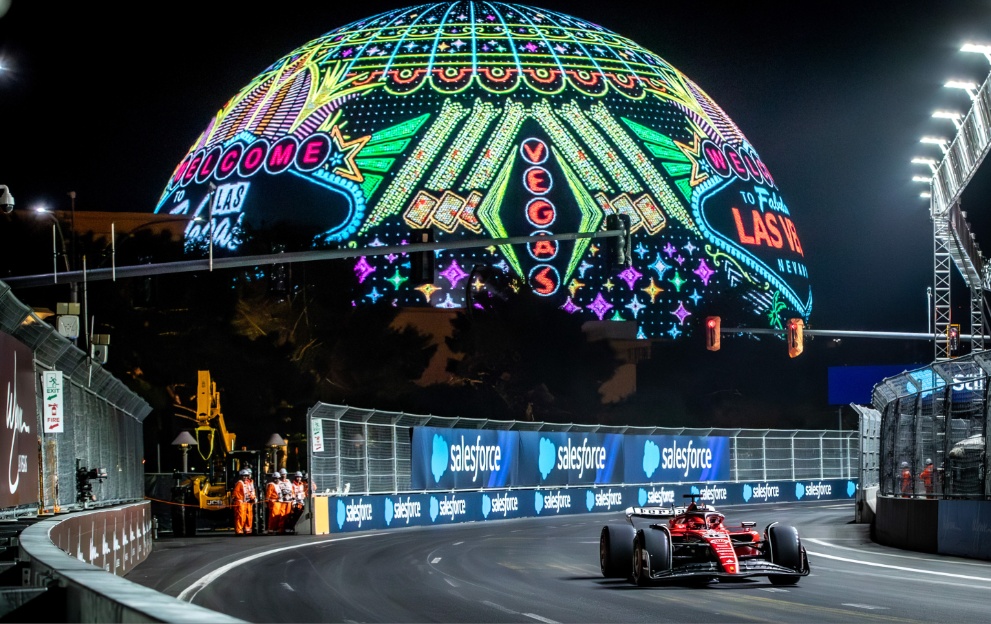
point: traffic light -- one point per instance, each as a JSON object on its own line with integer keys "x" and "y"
{"x": 795, "y": 339}
{"x": 619, "y": 247}
{"x": 712, "y": 324}
{"x": 422, "y": 262}
{"x": 953, "y": 338}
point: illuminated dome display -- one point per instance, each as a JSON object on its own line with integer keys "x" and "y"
{"x": 485, "y": 120}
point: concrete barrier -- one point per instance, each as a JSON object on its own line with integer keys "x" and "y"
{"x": 70, "y": 557}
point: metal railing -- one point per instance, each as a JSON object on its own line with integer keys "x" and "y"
{"x": 102, "y": 424}
{"x": 368, "y": 451}
{"x": 934, "y": 423}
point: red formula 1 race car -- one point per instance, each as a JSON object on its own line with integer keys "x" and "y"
{"x": 695, "y": 543}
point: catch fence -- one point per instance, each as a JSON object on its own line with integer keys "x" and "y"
{"x": 101, "y": 424}
{"x": 936, "y": 417}
{"x": 366, "y": 451}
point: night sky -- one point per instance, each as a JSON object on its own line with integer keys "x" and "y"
{"x": 834, "y": 96}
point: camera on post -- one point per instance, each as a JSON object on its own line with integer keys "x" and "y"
{"x": 6, "y": 199}
{"x": 84, "y": 482}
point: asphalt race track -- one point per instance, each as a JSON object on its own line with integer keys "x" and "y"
{"x": 547, "y": 570}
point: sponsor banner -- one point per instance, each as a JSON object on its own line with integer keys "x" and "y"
{"x": 559, "y": 458}
{"x": 463, "y": 458}
{"x": 51, "y": 383}
{"x": 19, "y": 439}
{"x": 364, "y": 513}
{"x": 676, "y": 459}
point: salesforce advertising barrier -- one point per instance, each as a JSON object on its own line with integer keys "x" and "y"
{"x": 676, "y": 459}
{"x": 463, "y": 458}
{"x": 558, "y": 458}
{"x": 389, "y": 512}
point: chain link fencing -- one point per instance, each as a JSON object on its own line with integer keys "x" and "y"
{"x": 365, "y": 451}
{"x": 934, "y": 423}
{"x": 102, "y": 421}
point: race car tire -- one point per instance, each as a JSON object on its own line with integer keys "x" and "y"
{"x": 786, "y": 550}
{"x": 651, "y": 555}
{"x": 616, "y": 551}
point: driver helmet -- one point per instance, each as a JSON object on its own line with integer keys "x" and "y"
{"x": 715, "y": 521}
{"x": 929, "y": 462}
{"x": 904, "y": 464}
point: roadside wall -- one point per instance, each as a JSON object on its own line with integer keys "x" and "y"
{"x": 72, "y": 555}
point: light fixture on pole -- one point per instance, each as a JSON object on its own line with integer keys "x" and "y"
{"x": 977, "y": 49}
{"x": 952, "y": 116}
{"x": 964, "y": 85}
{"x": 184, "y": 440}
{"x": 274, "y": 442}
{"x": 940, "y": 141}
{"x": 57, "y": 236}
{"x": 919, "y": 178}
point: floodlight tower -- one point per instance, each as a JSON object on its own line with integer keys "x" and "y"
{"x": 952, "y": 238}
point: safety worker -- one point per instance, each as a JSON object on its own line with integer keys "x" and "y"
{"x": 244, "y": 503}
{"x": 906, "y": 479}
{"x": 299, "y": 492}
{"x": 285, "y": 500}
{"x": 274, "y": 508}
{"x": 927, "y": 477}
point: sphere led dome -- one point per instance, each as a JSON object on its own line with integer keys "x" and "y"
{"x": 486, "y": 120}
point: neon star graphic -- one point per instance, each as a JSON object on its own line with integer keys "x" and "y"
{"x": 575, "y": 286}
{"x": 454, "y": 273}
{"x": 694, "y": 155}
{"x": 600, "y": 306}
{"x": 678, "y": 281}
{"x": 594, "y": 249}
{"x": 583, "y": 267}
{"x": 396, "y": 280}
{"x": 640, "y": 334}
{"x": 704, "y": 272}
{"x": 653, "y": 290}
{"x": 570, "y": 307}
{"x": 695, "y": 296}
{"x": 362, "y": 269}
{"x": 391, "y": 258}
{"x": 641, "y": 250}
{"x": 630, "y": 276}
{"x": 448, "y": 302}
{"x": 674, "y": 332}
{"x": 660, "y": 267}
{"x": 681, "y": 312}
{"x": 375, "y": 295}
{"x": 617, "y": 316}
{"x": 428, "y": 290}
{"x": 635, "y": 306}
{"x": 376, "y": 243}
{"x": 349, "y": 149}
{"x": 670, "y": 249}
{"x": 689, "y": 247}
{"x": 608, "y": 284}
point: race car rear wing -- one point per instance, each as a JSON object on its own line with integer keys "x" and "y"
{"x": 653, "y": 512}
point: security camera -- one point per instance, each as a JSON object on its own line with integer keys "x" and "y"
{"x": 6, "y": 200}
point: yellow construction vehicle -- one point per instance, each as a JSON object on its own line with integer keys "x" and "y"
{"x": 210, "y": 491}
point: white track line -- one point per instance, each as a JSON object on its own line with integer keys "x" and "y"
{"x": 189, "y": 594}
